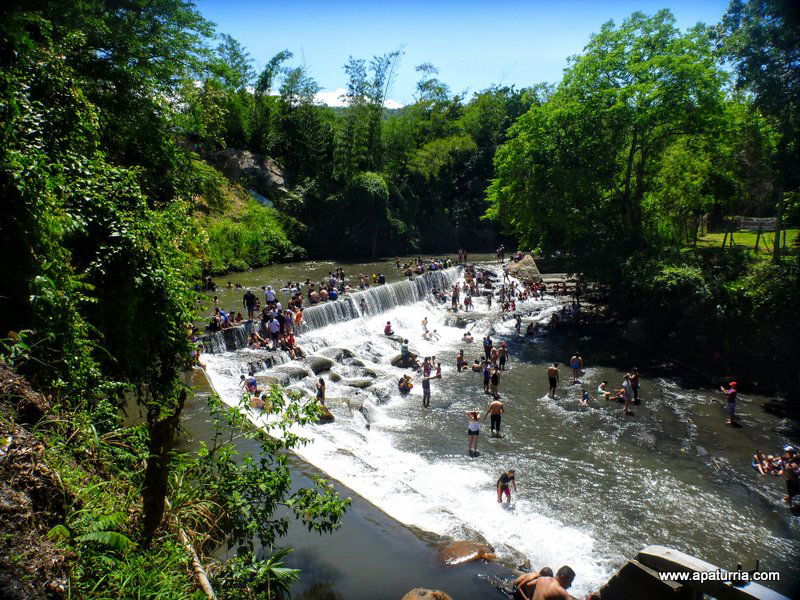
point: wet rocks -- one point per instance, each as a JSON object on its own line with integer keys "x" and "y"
{"x": 293, "y": 371}
{"x": 319, "y": 363}
{"x": 525, "y": 269}
{"x": 325, "y": 416}
{"x": 399, "y": 361}
{"x": 277, "y": 378}
{"x": 337, "y": 354}
{"x": 360, "y": 383}
{"x": 425, "y": 594}
{"x": 459, "y": 552}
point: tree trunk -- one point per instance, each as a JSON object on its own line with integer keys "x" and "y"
{"x": 154, "y": 489}
{"x": 758, "y": 239}
{"x": 776, "y": 253}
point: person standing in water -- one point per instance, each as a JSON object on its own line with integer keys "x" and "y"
{"x": 473, "y": 431}
{"x": 504, "y": 484}
{"x": 487, "y": 346}
{"x": 730, "y": 394}
{"x": 321, "y": 391}
{"x": 552, "y": 378}
{"x": 576, "y": 363}
{"x": 426, "y": 382}
{"x": 627, "y": 394}
{"x": 635, "y": 384}
{"x": 496, "y": 409}
{"x": 503, "y": 356}
{"x": 486, "y": 376}
{"x": 495, "y": 382}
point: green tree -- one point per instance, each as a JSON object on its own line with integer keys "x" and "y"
{"x": 761, "y": 39}
{"x": 575, "y": 174}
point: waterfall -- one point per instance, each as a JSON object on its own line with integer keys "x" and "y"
{"x": 226, "y": 340}
{"x": 376, "y": 299}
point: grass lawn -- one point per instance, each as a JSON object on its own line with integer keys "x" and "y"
{"x": 748, "y": 239}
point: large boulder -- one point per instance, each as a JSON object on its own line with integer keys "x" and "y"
{"x": 277, "y": 378}
{"x": 361, "y": 382}
{"x": 459, "y": 552}
{"x": 525, "y": 269}
{"x": 294, "y": 371}
{"x": 398, "y": 361}
{"x": 318, "y": 364}
{"x": 336, "y": 354}
{"x": 254, "y": 171}
{"x": 326, "y": 416}
{"x": 424, "y": 594}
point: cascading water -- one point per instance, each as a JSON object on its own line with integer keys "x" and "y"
{"x": 371, "y": 301}
{"x": 378, "y": 299}
{"x": 594, "y": 488}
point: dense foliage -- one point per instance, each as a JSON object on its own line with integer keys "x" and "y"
{"x": 384, "y": 182}
{"x": 108, "y": 220}
{"x": 642, "y": 146}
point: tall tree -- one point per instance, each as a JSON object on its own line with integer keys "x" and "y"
{"x": 761, "y": 38}
{"x": 576, "y": 171}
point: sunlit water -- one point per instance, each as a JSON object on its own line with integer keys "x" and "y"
{"x": 594, "y": 487}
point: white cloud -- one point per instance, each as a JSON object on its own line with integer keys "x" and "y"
{"x": 331, "y": 98}
{"x": 334, "y": 98}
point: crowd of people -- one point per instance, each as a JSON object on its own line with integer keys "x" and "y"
{"x": 280, "y": 325}
{"x": 786, "y": 465}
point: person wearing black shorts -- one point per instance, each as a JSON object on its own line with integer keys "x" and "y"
{"x": 496, "y": 410}
{"x": 552, "y": 377}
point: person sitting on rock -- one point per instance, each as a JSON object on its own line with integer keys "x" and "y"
{"x": 256, "y": 341}
{"x": 388, "y": 329}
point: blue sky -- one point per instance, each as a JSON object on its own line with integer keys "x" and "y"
{"x": 474, "y": 44}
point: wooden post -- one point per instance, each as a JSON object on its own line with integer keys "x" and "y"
{"x": 725, "y": 237}
{"x": 758, "y": 239}
{"x": 776, "y": 254}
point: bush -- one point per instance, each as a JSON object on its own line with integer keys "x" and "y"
{"x": 253, "y": 238}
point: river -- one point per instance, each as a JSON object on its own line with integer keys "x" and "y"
{"x": 594, "y": 486}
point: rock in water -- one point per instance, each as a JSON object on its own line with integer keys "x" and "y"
{"x": 326, "y": 416}
{"x": 525, "y": 269}
{"x": 319, "y": 363}
{"x": 360, "y": 383}
{"x": 423, "y": 594}
{"x": 456, "y": 553}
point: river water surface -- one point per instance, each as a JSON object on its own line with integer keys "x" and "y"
{"x": 594, "y": 487}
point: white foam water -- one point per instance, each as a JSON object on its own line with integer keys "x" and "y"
{"x": 436, "y": 489}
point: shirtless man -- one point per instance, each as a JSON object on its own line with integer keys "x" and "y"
{"x": 552, "y": 378}
{"x": 525, "y": 584}
{"x": 461, "y": 362}
{"x": 496, "y": 409}
{"x": 576, "y": 363}
{"x": 552, "y": 588}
